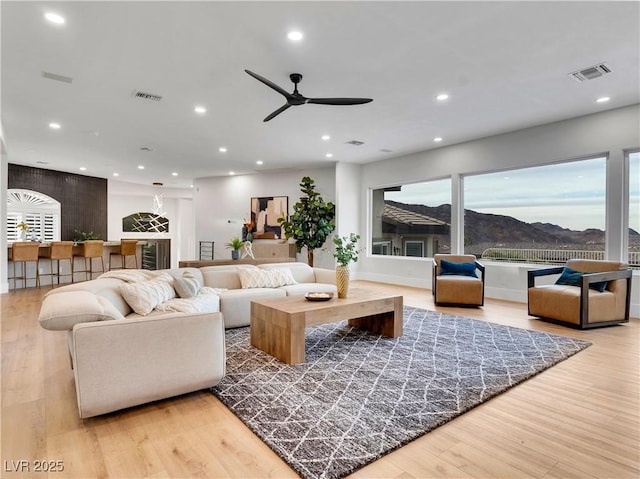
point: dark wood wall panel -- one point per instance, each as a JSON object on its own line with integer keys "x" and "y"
{"x": 83, "y": 199}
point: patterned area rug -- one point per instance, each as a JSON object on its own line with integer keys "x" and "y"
{"x": 359, "y": 395}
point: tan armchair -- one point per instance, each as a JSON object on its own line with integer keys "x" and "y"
{"x": 456, "y": 282}
{"x": 583, "y": 305}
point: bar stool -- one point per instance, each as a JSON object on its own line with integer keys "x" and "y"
{"x": 59, "y": 250}
{"x": 25, "y": 252}
{"x": 90, "y": 249}
{"x": 127, "y": 248}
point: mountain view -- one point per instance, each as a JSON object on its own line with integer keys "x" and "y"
{"x": 484, "y": 231}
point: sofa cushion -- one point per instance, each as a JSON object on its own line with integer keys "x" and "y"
{"x": 223, "y": 276}
{"x": 146, "y": 295}
{"x": 265, "y": 278}
{"x": 64, "y": 310}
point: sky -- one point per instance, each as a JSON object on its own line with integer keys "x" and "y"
{"x": 571, "y": 195}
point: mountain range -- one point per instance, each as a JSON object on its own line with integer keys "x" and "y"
{"x": 500, "y": 230}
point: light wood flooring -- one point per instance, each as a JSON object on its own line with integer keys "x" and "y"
{"x": 579, "y": 419}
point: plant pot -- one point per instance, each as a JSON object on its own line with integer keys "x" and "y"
{"x": 235, "y": 254}
{"x": 342, "y": 280}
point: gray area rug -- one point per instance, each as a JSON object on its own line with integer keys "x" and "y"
{"x": 359, "y": 395}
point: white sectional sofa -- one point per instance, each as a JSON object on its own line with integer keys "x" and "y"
{"x": 122, "y": 358}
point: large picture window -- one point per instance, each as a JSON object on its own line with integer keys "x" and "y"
{"x": 412, "y": 219}
{"x": 634, "y": 209}
{"x": 544, "y": 214}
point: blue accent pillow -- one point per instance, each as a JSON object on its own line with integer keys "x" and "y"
{"x": 462, "y": 269}
{"x": 571, "y": 277}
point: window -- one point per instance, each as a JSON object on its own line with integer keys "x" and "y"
{"x": 414, "y": 248}
{"x": 544, "y": 214}
{"x": 412, "y": 219}
{"x": 634, "y": 209}
{"x": 382, "y": 247}
{"x": 40, "y": 212}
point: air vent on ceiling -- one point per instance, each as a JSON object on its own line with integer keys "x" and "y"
{"x": 386, "y": 150}
{"x": 591, "y": 73}
{"x": 355, "y": 142}
{"x": 157, "y": 183}
{"x": 147, "y": 96}
{"x": 54, "y": 76}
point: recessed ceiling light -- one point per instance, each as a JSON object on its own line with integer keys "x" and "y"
{"x": 140, "y": 167}
{"x": 326, "y": 137}
{"x": 54, "y": 18}
{"x": 329, "y": 155}
{"x": 200, "y": 109}
{"x": 222, "y": 149}
{"x": 437, "y": 139}
{"x": 295, "y": 36}
{"x": 190, "y": 186}
{"x": 116, "y": 174}
{"x": 54, "y": 126}
{"x": 232, "y": 173}
{"x": 603, "y": 99}
{"x": 83, "y": 168}
{"x": 442, "y": 97}
{"x": 259, "y": 162}
{"x": 175, "y": 173}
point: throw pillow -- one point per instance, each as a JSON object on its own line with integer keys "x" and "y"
{"x": 187, "y": 286}
{"x": 453, "y": 268}
{"x": 571, "y": 277}
{"x": 62, "y": 311}
{"x": 265, "y": 278}
{"x": 146, "y": 295}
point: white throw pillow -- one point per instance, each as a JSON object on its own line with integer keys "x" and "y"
{"x": 265, "y": 278}
{"x": 146, "y": 295}
{"x": 62, "y": 311}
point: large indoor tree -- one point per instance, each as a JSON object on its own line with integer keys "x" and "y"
{"x": 312, "y": 221}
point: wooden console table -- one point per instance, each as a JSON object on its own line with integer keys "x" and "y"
{"x": 217, "y": 262}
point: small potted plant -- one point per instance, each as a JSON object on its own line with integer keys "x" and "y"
{"x": 23, "y": 228}
{"x": 235, "y": 244}
{"x": 346, "y": 251}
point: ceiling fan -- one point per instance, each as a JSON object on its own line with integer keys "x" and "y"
{"x": 295, "y": 98}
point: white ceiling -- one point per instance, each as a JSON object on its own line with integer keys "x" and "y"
{"x": 504, "y": 64}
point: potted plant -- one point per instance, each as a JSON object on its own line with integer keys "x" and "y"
{"x": 346, "y": 250}
{"x": 23, "y": 229}
{"x": 312, "y": 220}
{"x": 235, "y": 244}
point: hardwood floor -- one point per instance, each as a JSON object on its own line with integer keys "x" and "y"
{"x": 579, "y": 419}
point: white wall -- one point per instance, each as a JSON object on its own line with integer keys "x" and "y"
{"x": 608, "y": 133}
{"x": 177, "y": 204}
{"x": 221, "y": 204}
{"x": 347, "y": 195}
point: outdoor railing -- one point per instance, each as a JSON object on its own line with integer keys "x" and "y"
{"x": 548, "y": 256}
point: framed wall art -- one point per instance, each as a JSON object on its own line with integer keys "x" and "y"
{"x": 265, "y": 212}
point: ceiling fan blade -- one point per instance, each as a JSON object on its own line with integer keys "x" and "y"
{"x": 277, "y": 112}
{"x": 339, "y": 101}
{"x": 270, "y": 84}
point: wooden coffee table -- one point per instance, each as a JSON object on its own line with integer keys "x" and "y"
{"x": 278, "y": 324}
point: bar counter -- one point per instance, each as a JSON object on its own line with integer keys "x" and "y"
{"x": 65, "y": 274}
